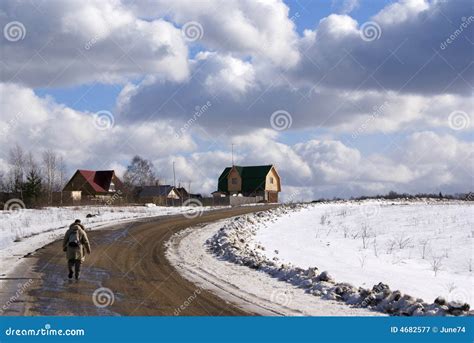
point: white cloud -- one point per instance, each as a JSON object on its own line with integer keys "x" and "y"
{"x": 40, "y": 123}
{"x": 261, "y": 29}
{"x": 74, "y": 42}
{"x": 401, "y": 11}
{"x": 249, "y": 63}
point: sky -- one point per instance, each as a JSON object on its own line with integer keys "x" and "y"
{"x": 344, "y": 97}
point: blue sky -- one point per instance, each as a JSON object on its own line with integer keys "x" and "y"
{"x": 343, "y": 96}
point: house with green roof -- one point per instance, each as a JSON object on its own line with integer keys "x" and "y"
{"x": 254, "y": 181}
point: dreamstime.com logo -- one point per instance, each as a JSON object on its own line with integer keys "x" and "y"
{"x": 103, "y": 297}
{"x": 14, "y": 31}
{"x": 46, "y": 331}
{"x": 459, "y": 120}
{"x": 370, "y": 31}
{"x": 281, "y": 120}
{"x": 369, "y": 210}
{"x": 192, "y": 31}
{"x": 460, "y": 296}
{"x": 281, "y": 297}
{"x": 196, "y": 208}
{"x": 104, "y": 120}
{"x": 14, "y": 206}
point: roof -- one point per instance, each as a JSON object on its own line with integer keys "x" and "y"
{"x": 253, "y": 177}
{"x": 99, "y": 179}
{"x": 182, "y": 192}
{"x": 155, "y": 191}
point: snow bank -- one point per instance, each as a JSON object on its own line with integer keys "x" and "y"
{"x": 246, "y": 288}
{"x": 235, "y": 242}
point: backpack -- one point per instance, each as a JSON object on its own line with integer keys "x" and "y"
{"x": 74, "y": 240}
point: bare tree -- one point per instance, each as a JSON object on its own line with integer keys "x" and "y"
{"x": 345, "y": 229}
{"x": 403, "y": 241}
{"x": 140, "y": 172}
{"x": 424, "y": 246}
{"x": 3, "y": 186}
{"x": 436, "y": 264}
{"x": 365, "y": 233}
{"x": 362, "y": 260}
{"x": 391, "y": 243}
{"x": 16, "y": 174}
{"x": 61, "y": 179}
{"x": 376, "y": 252}
{"x": 50, "y": 172}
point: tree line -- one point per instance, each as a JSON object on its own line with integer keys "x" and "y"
{"x": 33, "y": 177}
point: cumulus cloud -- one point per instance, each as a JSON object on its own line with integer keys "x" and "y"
{"x": 260, "y": 29}
{"x": 38, "y": 123}
{"x": 424, "y": 162}
{"x": 74, "y": 42}
{"x": 401, "y": 56}
{"x": 187, "y": 101}
{"x": 243, "y": 99}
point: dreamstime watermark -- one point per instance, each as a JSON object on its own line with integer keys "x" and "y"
{"x": 11, "y": 124}
{"x": 377, "y": 112}
{"x": 369, "y": 210}
{"x": 113, "y": 198}
{"x": 370, "y": 31}
{"x": 281, "y": 120}
{"x": 199, "y": 111}
{"x": 295, "y": 16}
{"x": 459, "y": 120}
{"x": 103, "y": 120}
{"x": 196, "y": 208}
{"x": 292, "y": 196}
{"x": 14, "y": 206}
{"x": 103, "y": 297}
{"x": 465, "y": 22}
{"x": 22, "y": 287}
{"x": 281, "y": 297}
{"x": 14, "y": 31}
{"x": 189, "y": 300}
{"x": 93, "y": 41}
{"x": 460, "y": 296}
{"x": 192, "y": 31}
{"x": 45, "y": 331}
{"x": 377, "y": 289}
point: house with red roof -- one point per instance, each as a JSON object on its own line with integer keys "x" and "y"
{"x": 94, "y": 183}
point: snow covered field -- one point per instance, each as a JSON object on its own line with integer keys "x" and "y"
{"x": 249, "y": 289}
{"x": 422, "y": 249}
{"x": 395, "y": 257}
{"x": 26, "y": 230}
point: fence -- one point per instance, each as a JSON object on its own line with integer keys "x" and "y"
{"x": 68, "y": 198}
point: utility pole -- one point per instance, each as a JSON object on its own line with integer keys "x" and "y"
{"x": 174, "y": 182}
{"x": 232, "y": 154}
{"x": 174, "y": 176}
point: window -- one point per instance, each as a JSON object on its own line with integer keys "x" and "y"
{"x": 234, "y": 180}
{"x": 271, "y": 180}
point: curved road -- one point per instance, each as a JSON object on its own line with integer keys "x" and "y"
{"x": 129, "y": 259}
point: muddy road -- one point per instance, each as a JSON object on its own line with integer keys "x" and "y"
{"x": 129, "y": 260}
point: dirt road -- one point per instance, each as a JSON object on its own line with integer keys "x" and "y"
{"x": 130, "y": 261}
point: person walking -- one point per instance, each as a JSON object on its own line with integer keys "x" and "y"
{"x": 74, "y": 243}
